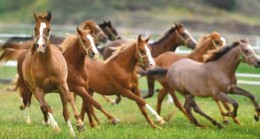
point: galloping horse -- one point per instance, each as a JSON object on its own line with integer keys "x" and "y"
{"x": 109, "y": 30}
{"x": 117, "y": 75}
{"x": 176, "y": 36}
{"x": 44, "y": 70}
{"x": 210, "y": 42}
{"x": 215, "y": 78}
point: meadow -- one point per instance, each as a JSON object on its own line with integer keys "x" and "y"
{"x": 132, "y": 124}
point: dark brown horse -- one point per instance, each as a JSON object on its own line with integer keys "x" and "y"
{"x": 109, "y": 30}
{"x": 215, "y": 78}
{"x": 117, "y": 76}
{"x": 44, "y": 70}
{"x": 176, "y": 36}
{"x": 210, "y": 42}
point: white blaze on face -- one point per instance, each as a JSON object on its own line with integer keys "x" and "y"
{"x": 93, "y": 46}
{"x": 188, "y": 33}
{"x": 251, "y": 49}
{"x": 150, "y": 58}
{"x": 224, "y": 41}
{"x": 40, "y": 40}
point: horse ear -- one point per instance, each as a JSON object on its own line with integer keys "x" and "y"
{"x": 176, "y": 25}
{"x": 49, "y": 16}
{"x": 109, "y": 23}
{"x": 35, "y": 16}
{"x": 79, "y": 31}
{"x": 147, "y": 39}
{"x": 139, "y": 38}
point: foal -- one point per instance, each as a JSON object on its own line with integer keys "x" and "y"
{"x": 117, "y": 75}
{"x": 44, "y": 70}
{"x": 109, "y": 30}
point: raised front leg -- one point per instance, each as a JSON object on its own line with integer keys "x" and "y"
{"x": 64, "y": 90}
{"x": 47, "y": 112}
{"x": 141, "y": 104}
{"x": 239, "y": 91}
{"x": 223, "y": 97}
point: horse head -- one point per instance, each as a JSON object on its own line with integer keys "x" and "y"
{"x": 183, "y": 37}
{"x": 143, "y": 53}
{"x": 247, "y": 53}
{"x": 87, "y": 43}
{"x": 109, "y": 30}
{"x": 96, "y": 32}
{"x": 42, "y": 31}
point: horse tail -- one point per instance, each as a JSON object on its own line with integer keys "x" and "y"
{"x": 11, "y": 54}
{"x": 9, "y": 45}
{"x": 156, "y": 71}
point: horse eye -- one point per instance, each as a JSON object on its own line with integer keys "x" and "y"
{"x": 246, "y": 51}
{"x": 184, "y": 35}
{"x": 49, "y": 30}
{"x": 217, "y": 42}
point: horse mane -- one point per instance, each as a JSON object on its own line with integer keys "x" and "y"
{"x": 42, "y": 15}
{"x": 214, "y": 55}
{"x": 120, "y": 49}
{"x": 213, "y": 36}
{"x": 87, "y": 24}
{"x": 171, "y": 30}
{"x": 68, "y": 42}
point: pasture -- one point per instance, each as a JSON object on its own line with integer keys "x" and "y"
{"x": 132, "y": 124}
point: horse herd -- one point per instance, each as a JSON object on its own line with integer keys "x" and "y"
{"x": 47, "y": 63}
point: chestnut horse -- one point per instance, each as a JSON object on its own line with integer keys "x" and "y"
{"x": 44, "y": 70}
{"x": 215, "y": 78}
{"x": 109, "y": 30}
{"x": 210, "y": 42}
{"x": 117, "y": 76}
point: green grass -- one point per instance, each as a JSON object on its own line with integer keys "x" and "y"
{"x": 132, "y": 125}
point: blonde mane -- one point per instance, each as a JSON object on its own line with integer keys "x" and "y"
{"x": 70, "y": 40}
{"x": 212, "y": 36}
{"x": 120, "y": 49}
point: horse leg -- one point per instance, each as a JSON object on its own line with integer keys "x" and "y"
{"x": 239, "y": 91}
{"x": 118, "y": 99}
{"x": 197, "y": 109}
{"x": 66, "y": 114}
{"x": 223, "y": 97}
{"x": 141, "y": 104}
{"x": 178, "y": 104}
{"x": 225, "y": 120}
{"x": 87, "y": 108}
{"x": 63, "y": 88}
{"x": 150, "y": 83}
{"x": 187, "y": 107}
{"x": 87, "y": 97}
{"x": 39, "y": 94}
{"x": 161, "y": 94}
{"x": 109, "y": 100}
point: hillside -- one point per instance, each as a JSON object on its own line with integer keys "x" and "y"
{"x": 233, "y": 16}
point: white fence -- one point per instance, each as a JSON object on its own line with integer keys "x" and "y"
{"x": 255, "y": 40}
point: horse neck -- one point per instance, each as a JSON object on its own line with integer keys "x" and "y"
{"x": 73, "y": 55}
{"x": 229, "y": 62}
{"x": 126, "y": 59}
{"x": 164, "y": 44}
{"x": 197, "y": 54}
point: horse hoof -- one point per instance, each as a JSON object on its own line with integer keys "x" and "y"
{"x": 225, "y": 122}
{"x": 220, "y": 126}
{"x": 72, "y": 134}
{"x": 161, "y": 121}
{"x": 56, "y": 129}
{"x": 256, "y": 117}
{"x": 46, "y": 123}
{"x": 22, "y": 107}
{"x": 80, "y": 128}
{"x": 115, "y": 121}
{"x": 28, "y": 121}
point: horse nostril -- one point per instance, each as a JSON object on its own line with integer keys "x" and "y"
{"x": 258, "y": 62}
{"x": 37, "y": 45}
{"x": 43, "y": 45}
{"x": 93, "y": 53}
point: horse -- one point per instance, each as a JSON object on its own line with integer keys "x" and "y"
{"x": 209, "y": 42}
{"x": 117, "y": 76}
{"x": 109, "y": 30}
{"x": 26, "y": 43}
{"x": 214, "y": 78}
{"x": 44, "y": 70}
{"x": 176, "y": 36}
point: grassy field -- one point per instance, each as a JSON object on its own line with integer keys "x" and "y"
{"x": 132, "y": 125}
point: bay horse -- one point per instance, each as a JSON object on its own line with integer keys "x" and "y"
{"x": 109, "y": 30}
{"x": 215, "y": 78}
{"x": 176, "y": 36}
{"x": 44, "y": 70}
{"x": 209, "y": 42}
{"x": 117, "y": 76}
